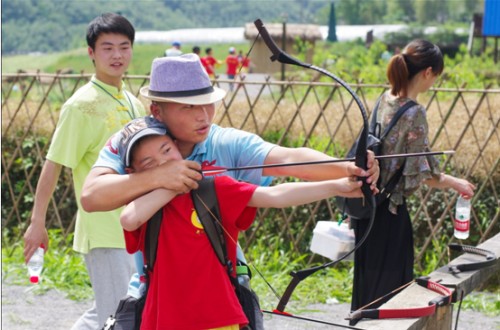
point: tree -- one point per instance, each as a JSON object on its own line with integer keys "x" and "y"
{"x": 332, "y": 23}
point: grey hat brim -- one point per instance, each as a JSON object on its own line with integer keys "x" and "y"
{"x": 217, "y": 95}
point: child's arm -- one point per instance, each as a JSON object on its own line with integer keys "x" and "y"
{"x": 143, "y": 208}
{"x": 296, "y": 193}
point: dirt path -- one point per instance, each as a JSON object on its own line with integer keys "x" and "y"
{"x": 23, "y": 310}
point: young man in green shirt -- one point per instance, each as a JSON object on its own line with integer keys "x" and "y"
{"x": 88, "y": 119}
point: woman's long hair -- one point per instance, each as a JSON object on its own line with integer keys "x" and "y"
{"x": 418, "y": 55}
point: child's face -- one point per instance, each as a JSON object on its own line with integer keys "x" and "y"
{"x": 154, "y": 151}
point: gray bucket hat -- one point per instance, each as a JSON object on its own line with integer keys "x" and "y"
{"x": 181, "y": 79}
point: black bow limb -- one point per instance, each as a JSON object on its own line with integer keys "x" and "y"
{"x": 362, "y": 148}
{"x": 490, "y": 256}
{"x": 361, "y": 159}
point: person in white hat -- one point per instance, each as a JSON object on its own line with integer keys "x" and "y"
{"x": 175, "y": 50}
{"x": 183, "y": 98}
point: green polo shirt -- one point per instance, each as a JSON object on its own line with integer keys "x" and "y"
{"x": 87, "y": 120}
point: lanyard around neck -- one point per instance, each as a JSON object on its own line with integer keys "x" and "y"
{"x": 131, "y": 114}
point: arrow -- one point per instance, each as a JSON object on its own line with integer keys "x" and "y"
{"x": 213, "y": 170}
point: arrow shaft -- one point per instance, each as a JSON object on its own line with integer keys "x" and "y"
{"x": 310, "y": 320}
{"x": 328, "y": 161}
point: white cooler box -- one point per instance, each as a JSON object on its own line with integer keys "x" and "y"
{"x": 332, "y": 240}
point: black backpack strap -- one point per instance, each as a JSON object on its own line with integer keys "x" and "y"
{"x": 373, "y": 123}
{"x": 207, "y": 208}
{"x": 396, "y": 117}
{"x": 393, "y": 181}
{"x": 151, "y": 240}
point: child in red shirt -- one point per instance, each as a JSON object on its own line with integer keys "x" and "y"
{"x": 178, "y": 294}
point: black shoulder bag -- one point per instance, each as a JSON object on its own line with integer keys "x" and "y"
{"x": 356, "y": 207}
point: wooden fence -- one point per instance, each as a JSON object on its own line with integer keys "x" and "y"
{"x": 313, "y": 114}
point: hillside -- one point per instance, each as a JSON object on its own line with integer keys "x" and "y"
{"x": 50, "y": 26}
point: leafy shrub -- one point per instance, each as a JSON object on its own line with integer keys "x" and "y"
{"x": 18, "y": 193}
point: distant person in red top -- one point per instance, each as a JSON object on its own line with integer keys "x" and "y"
{"x": 197, "y": 51}
{"x": 244, "y": 62}
{"x": 211, "y": 62}
{"x": 232, "y": 66}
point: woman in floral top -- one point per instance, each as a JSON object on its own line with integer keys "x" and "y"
{"x": 385, "y": 261}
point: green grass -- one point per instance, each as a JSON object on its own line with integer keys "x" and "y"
{"x": 275, "y": 267}
{"x": 78, "y": 60}
{"x": 487, "y": 303}
{"x": 65, "y": 271}
{"x": 11, "y": 64}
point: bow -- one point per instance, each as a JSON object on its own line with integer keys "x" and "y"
{"x": 445, "y": 298}
{"x": 491, "y": 258}
{"x": 360, "y": 160}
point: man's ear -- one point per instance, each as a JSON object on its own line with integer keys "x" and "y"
{"x": 154, "y": 108}
{"x": 90, "y": 52}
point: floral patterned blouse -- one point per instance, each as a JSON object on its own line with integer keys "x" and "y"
{"x": 409, "y": 135}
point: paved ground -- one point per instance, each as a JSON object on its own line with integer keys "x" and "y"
{"x": 22, "y": 310}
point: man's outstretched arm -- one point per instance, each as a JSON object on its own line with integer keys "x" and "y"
{"x": 318, "y": 172}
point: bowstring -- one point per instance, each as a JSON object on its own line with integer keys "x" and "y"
{"x": 386, "y": 295}
{"x": 459, "y": 307}
{"x": 241, "y": 64}
{"x": 219, "y": 221}
{"x": 248, "y": 53}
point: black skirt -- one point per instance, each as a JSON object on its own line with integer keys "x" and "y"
{"x": 385, "y": 260}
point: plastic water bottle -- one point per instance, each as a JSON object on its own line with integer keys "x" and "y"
{"x": 244, "y": 280}
{"x": 462, "y": 218}
{"x": 35, "y": 265}
{"x": 137, "y": 286}
{"x": 242, "y": 275}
